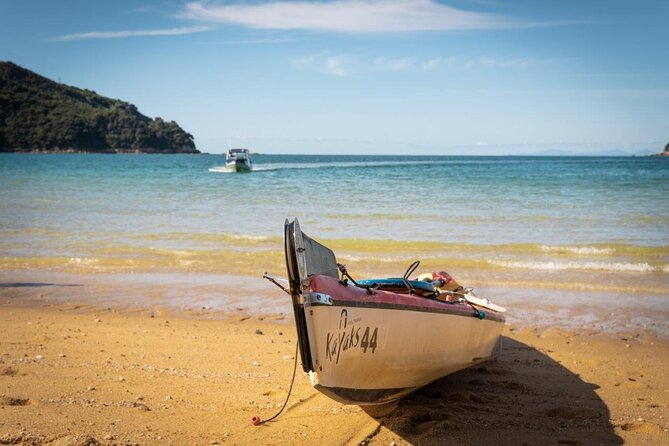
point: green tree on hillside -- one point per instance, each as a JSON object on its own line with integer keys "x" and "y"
{"x": 39, "y": 114}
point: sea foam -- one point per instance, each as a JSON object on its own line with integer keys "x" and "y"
{"x": 579, "y": 250}
{"x": 219, "y": 169}
{"x": 561, "y": 266}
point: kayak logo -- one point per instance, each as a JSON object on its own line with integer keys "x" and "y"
{"x": 349, "y": 337}
{"x": 343, "y": 317}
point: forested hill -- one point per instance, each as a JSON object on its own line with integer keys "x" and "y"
{"x": 38, "y": 114}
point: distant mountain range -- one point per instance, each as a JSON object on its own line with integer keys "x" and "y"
{"x": 38, "y": 114}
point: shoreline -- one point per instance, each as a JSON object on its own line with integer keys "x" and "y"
{"x": 360, "y": 155}
{"x": 102, "y": 152}
{"x": 232, "y": 296}
{"x": 134, "y": 377}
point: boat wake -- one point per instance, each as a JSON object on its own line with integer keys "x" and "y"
{"x": 223, "y": 169}
{"x": 340, "y": 164}
{"x": 350, "y": 164}
{"x": 219, "y": 169}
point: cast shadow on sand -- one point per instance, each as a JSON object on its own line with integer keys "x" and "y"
{"x": 523, "y": 397}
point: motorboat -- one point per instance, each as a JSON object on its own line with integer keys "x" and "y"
{"x": 371, "y": 342}
{"x": 238, "y": 160}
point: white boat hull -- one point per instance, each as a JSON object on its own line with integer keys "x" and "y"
{"x": 373, "y": 356}
{"x": 368, "y": 346}
{"x": 238, "y": 167}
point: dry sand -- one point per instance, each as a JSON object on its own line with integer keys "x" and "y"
{"x": 85, "y": 376}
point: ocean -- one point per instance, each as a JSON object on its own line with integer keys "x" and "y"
{"x": 568, "y": 229}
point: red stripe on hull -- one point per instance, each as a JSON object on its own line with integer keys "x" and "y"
{"x": 354, "y": 296}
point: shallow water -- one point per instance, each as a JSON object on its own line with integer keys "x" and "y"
{"x": 521, "y": 224}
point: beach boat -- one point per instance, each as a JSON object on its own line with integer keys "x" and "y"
{"x": 371, "y": 342}
{"x": 238, "y": 160}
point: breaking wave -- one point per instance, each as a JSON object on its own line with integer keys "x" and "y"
{"x": 585, "y": 266}
{"x": 578, "y": 250}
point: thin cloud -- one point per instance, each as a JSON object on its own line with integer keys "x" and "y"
{"x": 353, "y": 16}
{"x": 276, "y": 41}
{"x": 131, "y": 33}
{"x": 487, "y": 62}
{"x": 429, "y": 64}
{"x": 350, "y": 64}
{"x": 495, "y": 62}
{"x": 401, "y": 64}
{"x": 337, "y": 65}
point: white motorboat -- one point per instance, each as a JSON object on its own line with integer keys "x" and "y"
{"x": 238, "y": 160}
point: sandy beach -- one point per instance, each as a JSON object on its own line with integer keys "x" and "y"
{"x": 427, "y": 185}
{"x": 82, "y": 375}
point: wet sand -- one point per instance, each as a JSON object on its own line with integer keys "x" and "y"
{"x": 85, "y": 375}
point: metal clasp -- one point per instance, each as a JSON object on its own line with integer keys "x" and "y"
{"x": 317, "y": 298}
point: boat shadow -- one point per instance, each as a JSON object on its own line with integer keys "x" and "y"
{"x": 522, "y": 397}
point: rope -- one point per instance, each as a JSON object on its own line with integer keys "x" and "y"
{"x": 405, "y": 277}
{"x": 275, "y": 282}
{"x": 256, "y": 421}
{"x": 342, "y": 268}
{"x": 477, "y": 313}
{"x": 411, "y": 269}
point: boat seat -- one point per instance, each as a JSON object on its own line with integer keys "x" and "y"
{"x": 398, "y": 285}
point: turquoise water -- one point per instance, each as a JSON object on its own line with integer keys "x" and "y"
{"x": 566, "y": 242}
{"x": 504, "y": 214}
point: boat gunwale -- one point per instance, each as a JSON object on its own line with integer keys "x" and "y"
{"x": 489, "y": 315}
{"x": 358, "y": 297}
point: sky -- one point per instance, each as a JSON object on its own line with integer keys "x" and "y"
{"x": 367, "y": 76}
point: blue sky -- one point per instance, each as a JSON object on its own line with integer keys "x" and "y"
{"x": 367, "y": 76}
